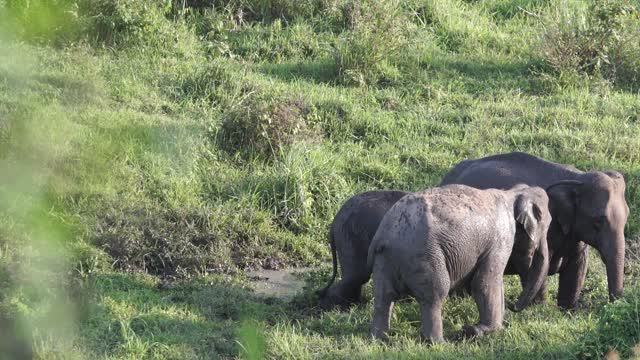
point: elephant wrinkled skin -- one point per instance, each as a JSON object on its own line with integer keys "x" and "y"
{"x": 350, "y": 235}
{"x": 453, "y": 236}
{"x": 588, "y": 208}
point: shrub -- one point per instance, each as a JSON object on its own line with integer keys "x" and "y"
{"x": 602, "y": 42}
{"x": 259, "y": 10}
{"x": 365, "y": 54}
{"x": 618, "y": 329}
{"x": 301, "y": 191}
{"x": 276, "y": 43}
{"x": 212, "y": 82}
{"x": 265, "y": 126}
{"x": 53, "y": 21}
{"x": 136, "y": 22}
{"x": 172, "y": 241}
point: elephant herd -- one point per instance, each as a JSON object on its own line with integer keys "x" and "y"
{"x": 505, "y": 214}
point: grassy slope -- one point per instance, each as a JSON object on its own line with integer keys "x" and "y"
{"x": 110, "y": 161}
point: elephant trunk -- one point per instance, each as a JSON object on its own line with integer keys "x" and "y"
{"x": 536, "y": 276}
{"x": 613, "y": 256}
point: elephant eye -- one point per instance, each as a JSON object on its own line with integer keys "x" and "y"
{"x": 598, "y": 222}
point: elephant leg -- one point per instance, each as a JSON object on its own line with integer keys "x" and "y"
{"x": 354, "y": 271}
{"x": 572, "y": 278}
{"x": 487, "y": 290}
{"x": 384, "y": 296}
{"x": 431, "y": 318}
{"x": 430, "y": 286}
{"x": 461, "y": 290}
{"x": 504, "y": 304}
{"x": 541, "y": 296}
{"x": 348, "y": 290}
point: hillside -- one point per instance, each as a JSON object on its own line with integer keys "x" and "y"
{"x": 153, "y": 151}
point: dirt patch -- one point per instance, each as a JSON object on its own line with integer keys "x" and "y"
{"x": 282, "y": 284}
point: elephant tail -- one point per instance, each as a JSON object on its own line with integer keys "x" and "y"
{"x": 332, "y": 243}
{"x": 374, "y": 248}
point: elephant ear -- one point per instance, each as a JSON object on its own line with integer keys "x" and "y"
{"x": 528, "y": 214}
{"x": 563, "y": 198}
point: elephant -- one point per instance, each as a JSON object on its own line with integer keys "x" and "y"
{"x": 456, "y": 236}
{"x": 350, "y": 235}
{"x": 587, "y": 208}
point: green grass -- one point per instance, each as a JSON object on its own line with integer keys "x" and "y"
{"x": 136, "y": 185}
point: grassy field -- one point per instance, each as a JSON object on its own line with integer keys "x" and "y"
{"x": 152, "y": 151}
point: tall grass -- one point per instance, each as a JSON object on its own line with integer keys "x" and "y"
{"x": 150, "y": 152}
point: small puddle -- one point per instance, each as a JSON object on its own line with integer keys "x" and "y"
{"x": 281, "y": 284}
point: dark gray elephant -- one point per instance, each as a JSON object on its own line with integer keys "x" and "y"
{"x": 350, "y": 235}
{"x": 454, "y": 236}
{"x": 589, "y": 209}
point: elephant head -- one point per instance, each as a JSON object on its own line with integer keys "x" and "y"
{"x": 593, "y": 209}
{"x": 532, "y": 216}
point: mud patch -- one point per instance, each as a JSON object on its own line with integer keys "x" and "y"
{"x": 282, "y": 284}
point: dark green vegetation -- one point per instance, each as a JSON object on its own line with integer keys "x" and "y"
{"x": 150, "y": 151}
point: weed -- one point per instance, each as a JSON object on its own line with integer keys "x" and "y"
{"x": 599, "y": 42}
{"x": 365, "y": 55}
{"x": 43, "y": 21}
{"x": 618, "y": 329}
{"x": 265, "y": 126}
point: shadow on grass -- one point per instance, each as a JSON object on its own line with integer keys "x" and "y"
{"x": 69, "y": 90}
{"x": 486, "y": 75}
{"x": 142, "y": 316}
{"x": 318, "y": 72}
{"x": 138, "y": 316}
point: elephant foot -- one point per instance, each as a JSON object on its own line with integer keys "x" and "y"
{"x": 511, "y": 306}
{"x": 539, "y": 300}
{"x": 470, "y": 332}
{"x": 431, "y": 340}
{"x": 571, "y": 307}
{"x": 379, "y": 335}
{"x": 473, "y": 331}
{"x": 334, "y": 301}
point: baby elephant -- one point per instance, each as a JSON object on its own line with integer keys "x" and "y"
{"x": 457, "y": 237}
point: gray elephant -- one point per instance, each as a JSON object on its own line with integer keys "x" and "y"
{"x": 350, "y": 236}
{"x": 456, "y": 236}
{"x": 588, "y": 208}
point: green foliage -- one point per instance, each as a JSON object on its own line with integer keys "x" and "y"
{"x": 277, "y": 43}
{"x": 160, "y": 148}
{"x": 261, "y": 10}
{"x": 183, "y": 241}
{"x": 365, "y": 54}
{"x": 618, "y": 329}
{"x": 44, "y": 21}
{"x": 118, "y": 23}
{"x": 601, "y": 41}
{"x": 266, "y": 126}
{"x": 252, "y": 341}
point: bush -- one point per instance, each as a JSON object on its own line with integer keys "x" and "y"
{"x": 365, "y": 54}
{"x": 211, "y": 82}
{"x": 171, "y": 241}
{"x": 275, "y": 43}
{"x": 618, "y": 329}
{"x": 156, "y": 240}
{"x": 260, "y": 10}
{"x": 136, "y": 22}
{"x": 54, "y": 21}
{"x": 265, "y": 126}
{"x": 602, "y": 42}
{"x": 301, "y": 191}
